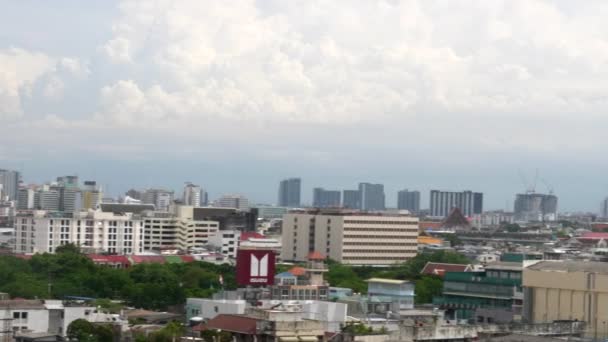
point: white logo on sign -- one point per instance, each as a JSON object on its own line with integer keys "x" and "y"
{"x": 259, "y": 267}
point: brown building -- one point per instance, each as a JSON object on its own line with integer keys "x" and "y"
{"x": 567, "y": 290}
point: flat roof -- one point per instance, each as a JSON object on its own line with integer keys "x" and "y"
{"x": 570, "y": 266}
{"x": 505, "y": 266}
{"x": 387, "y": 281}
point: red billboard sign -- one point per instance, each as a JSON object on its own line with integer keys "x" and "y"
{"x": 255, "y": 267}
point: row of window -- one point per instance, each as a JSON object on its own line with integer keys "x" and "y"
{"x": 349, "y": 243}
{"x": 398, "y": 237}
{"x": 379, "y": 222}
{"x": 380, "y": 258}
{"x": 367, "y": 229}
{"x": 374, "y": 251}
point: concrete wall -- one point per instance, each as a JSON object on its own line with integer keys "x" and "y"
{"x": 209, "y": 308}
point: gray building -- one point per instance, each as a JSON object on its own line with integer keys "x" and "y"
{"x": 9, "y": 180}
{"x": 371, "y": 196}
{"x": 442, "y": 203}
{"x": 322, "y": 198}
{"x": 289, "y": 192}
{"x": 408, "y": 200}
{"x": 351, "y": 199}
{"x": 535, "y": 207}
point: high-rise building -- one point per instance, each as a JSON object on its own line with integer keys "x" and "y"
{"x": 91, "y": 195}
{"x": 160, "y": 198}
{"x": 9, "y": 180}
{"x": 442, "y": 203}
{"x": 232, "y": 201}
{"x": 535, "y": 207}
{"x": 351, "y": 199}
{"x": 192, "y": 195}
{"x": 25, "y": 198}
{"x": 604, "y": 208}
{"x": 289, "y": 192}
{"x": 371, "y": 196}
{"x": 408, "y": 200}
{"x": 356, "y": 239}
{"x": 322, "y": 198}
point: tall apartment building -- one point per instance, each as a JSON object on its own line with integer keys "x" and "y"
{"x": 91, "y": 195}
{"x": 535, "y": 207}
{"x": 408, "y": 200}
{"x": 160, "y": 198}
{"x": 442, "y": 203}
{"x": 95, "y": 231}
{"x": 9, "y": 180}
{"x": 604, "y": 208}
{"x": 322, "y": 198}
{"x": 289, "y": 192}
{"x": 351, "y": 199}
{"x": 371, "y": 196}
{"x": 232, "y": 201}
{"x": 25, "y": 198}
{"x": 192, "y": 195}
{"x": 350, "y": 237}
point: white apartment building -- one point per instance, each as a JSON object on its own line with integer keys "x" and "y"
{"x": 192, "y": 195}
{"x": 42, "y": 231}
{"x": 176, "y": 230}
{"x": 232, "y": 201}
{"x": 356, "y": 238}
{"x": 226, "y": 242}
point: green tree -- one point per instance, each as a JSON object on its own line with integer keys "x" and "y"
{"x": 512, "y": 227}
{"x": 428, "y": 287}
{"x": 82, "y": 330}
{"x": 68, "y": 248}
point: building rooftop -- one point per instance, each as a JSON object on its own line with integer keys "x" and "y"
{"x": 505, "y": 266}
{"x": 570, "y": 266}
{"x": 387, "y": 281}
{"x": 439, "y": 269}
{"x": 234, "y": 323}
{"x": 350, "y": 212}
{"x": 125, "y": 208}
{"x": 25, "y": 304}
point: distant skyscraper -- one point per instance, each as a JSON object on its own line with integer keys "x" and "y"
{"x": 322, "y": 198}
{"x": 371, "y": 196}
{"x": 535, "y": 207}
{"x": 161, "y": 198}
{"x": 91, "y": 195}
{"x": 192, "y": 195}
{"x": 232, "y": 201}
{"x": 289, "y": 192}
{"x": 351, "y": 199}
{"x": 604, "y": 208}
{"x": 26, "y": 198}
{"x": 10, "y": 183}
{"x": 442, "y": 202}
{"x": 408, "y": 200}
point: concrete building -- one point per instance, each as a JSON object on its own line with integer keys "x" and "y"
{"x": 350, "y": 237}
{"x": 408, "y": 200}
{"x": 351, "y": 199}
{"x": 160, "y": 198}
{"x": 533, "y": 207}
{"x": 25, "y": 199}
{"x": 399, "y": 293}
{"x": 442, "y": 202}
{"x": 267, "y": 212}
{"x": 92, "y": 195}
{"x": 95, "y": 231}
{"x": 491, "y": 219}
{"x": 9, "y": 180}
{"x": 232, "y": 201}
{"x": 322, "y": 198}
{"x": 192, "y": 195}
{"x": 226, "y": 242}
{"x": 567, "y": 290}
{"x": 371, "y": 196}
{"x": 289, "y": 192}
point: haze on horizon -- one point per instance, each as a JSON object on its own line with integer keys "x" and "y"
{"x": 236, "y": 95}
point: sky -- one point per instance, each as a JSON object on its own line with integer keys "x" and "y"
{"x": 236, "y": 95}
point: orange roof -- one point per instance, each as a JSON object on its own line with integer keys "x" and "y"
{"x": 429, "y": 240}
{"x": 297, "y": 271}
{"x": 424, "y": 225}
{"x": 315, "y": 256}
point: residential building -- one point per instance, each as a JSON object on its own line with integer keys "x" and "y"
{"x": 302, "y": 283}
{"x": 491, "y": 219}
{"x": 226, "y": 242}
{"x": 47, "y": 198}
{"x": 228, "y": 218}
{"x": 322, "y": 198}
{"x": 351, "y": 199}
{"x": 192, "y": 195}
{"x": 533, "y": 207}
{"x": 160, "y": 198}
{"x": 392, "y": 292}
{"x": 25, "y": 199}
{"x": 95, "y": 231}
{"x": 9, "y": 180}
{"x": 408, "y": 200}
{"x": 493, "y": 295}
{"x": 289, "y": 192}
{"x": 350, "y": 237}
{"x": 232, "y": 201}
{"x": 371, "y": 196}
{"x": 567, "y": 290}
{"x": 442, "y": 202}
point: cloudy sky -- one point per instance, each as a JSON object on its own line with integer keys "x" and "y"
{"x": 236, "y": 95}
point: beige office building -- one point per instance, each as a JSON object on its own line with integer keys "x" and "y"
{"x": 356, "y": 238}
{"x": 567, "y": 290}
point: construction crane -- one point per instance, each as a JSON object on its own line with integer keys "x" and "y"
{"x": 530, "y": 187}
{"x": 548, "y": 185}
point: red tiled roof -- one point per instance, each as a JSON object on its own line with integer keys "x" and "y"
{"x": 154, "y": 259}
{"x": 594, "y": 236}
{"x": 297, "y": 271}
{"x": 234, "y": 323}
{"x": 250, "y": 235}
{"x": 439, "y": 269}
{"x": 315, "y": 256}
{"x": 429, "y": 225}
{"x": 599, "y": 226}
{"x": 23, "y": 256}
{"x": 200, "y": 327}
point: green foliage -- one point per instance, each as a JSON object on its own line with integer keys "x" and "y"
{"x": 68, "y": 248}
{"x": 83, "y": 330}
{"x": 426, "y": 288}
{"x": 360, "y": 329}
{"x": 213, "y": 335}
{"x": 149, "y": 286}
{"x": 453, "y": 239}
{"x": 511, "y": 228}
{"x": 171, "y": 332}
